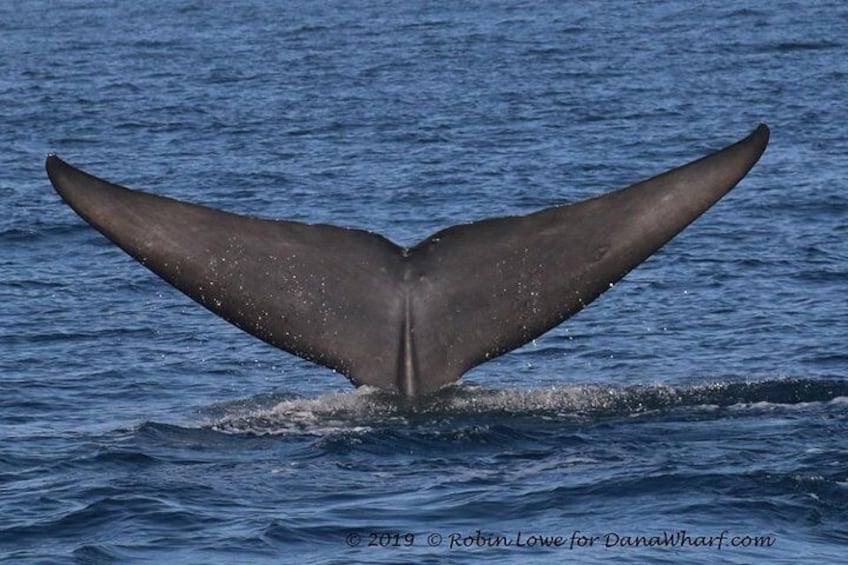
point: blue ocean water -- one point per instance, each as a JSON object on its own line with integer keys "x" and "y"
{"x": 702, "y": 400}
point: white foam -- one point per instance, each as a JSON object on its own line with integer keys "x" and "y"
{"x": 365, "y": 409}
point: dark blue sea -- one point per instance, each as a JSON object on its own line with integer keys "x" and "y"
{"x": 697, "y": 412}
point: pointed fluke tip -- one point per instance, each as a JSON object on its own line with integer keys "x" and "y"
{"x": 762, "y": 133}
{"x": 759, "y": 139}
{"x": 52, "y": 163}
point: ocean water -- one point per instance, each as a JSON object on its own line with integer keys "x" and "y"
{"x": 697, "y": 412}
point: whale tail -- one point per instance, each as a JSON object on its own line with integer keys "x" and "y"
{"x": 406, "y": 320}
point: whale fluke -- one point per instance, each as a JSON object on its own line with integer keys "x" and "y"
{"x": 408, "y": 320}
